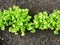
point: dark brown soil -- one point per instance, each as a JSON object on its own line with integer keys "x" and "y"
{"x": 40, "y": 37}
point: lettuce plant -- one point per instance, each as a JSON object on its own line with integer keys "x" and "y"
{"x": 17, "y": 19}
{"x": 54, "y": 21}
{"x": 57, "y": 21}
{"x": 44, "y": 21}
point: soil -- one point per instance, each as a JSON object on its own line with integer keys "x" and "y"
{"x": 40, "y": 37}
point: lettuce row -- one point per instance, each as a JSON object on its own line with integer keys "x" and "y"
{"x": 18, "y": 20}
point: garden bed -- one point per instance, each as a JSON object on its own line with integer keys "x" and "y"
{"x": 39, "y": 37}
